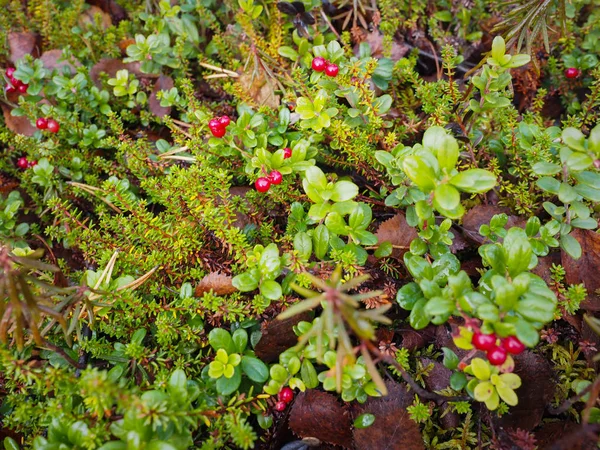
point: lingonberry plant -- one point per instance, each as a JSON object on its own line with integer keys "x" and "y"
{"x": 207, "y": 210}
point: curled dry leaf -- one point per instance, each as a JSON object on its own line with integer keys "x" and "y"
{"x": 398, "y": 232}
{"x": 260, "y": 89}
{"x": 277, "y": 336}
{"x": 21, "y": 44}
{"x": 111, "y": 7}
{"x": 375, "y": 40}
{"x": 217, "y": 282}
{"x": 111, "y": 66}
{"x": 438, "y": 379}
{"x": 319, "y": 415}
{"x": 482, "y": 214}
{"x": 585, "y": 269}
{"x": 88, "y": 18}
{"x": 164, "y": 83}
{"x": 52, "y": 60}
{"x": 20, "y": 125}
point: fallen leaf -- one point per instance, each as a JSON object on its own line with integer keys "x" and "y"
{"x": 544, "y": 264}
{"x": 21, "y": 44}
{"x": 217, "y": 282}
{"x": 398, "y": 232}
{"x": 585, "y": 269}
{"x": 87, "y": 19}
{"x": 482, "y": 214}
{"x": 277, "y": 336}
{"x": 552, "y": 436}
{"x": 393, "y": 429}
{"x": 164, "y": 83}
{"x": 415, "y": 339}
{"x": 438, "y": 379}
{"x": 319, "y": 415}
{"x": 116, "y": 11}
{"x": 19, "y": 125}
{"x": 111, "y": 66}
{"x": 261, "y": 90}
{"x": 51, "y": 61}
{"x": 375, "y": 40}
{"x": 536, "y": 391}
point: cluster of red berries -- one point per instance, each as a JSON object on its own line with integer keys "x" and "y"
{"x": 320, "y": 64}
{"x": 497, "y": 354}
{"x": 218, "y": 126}
{"x": 47, "y": 124}
{"x": 23, "y": 163}
{"x": 14, "y": 84}
{"x": 572, "y": 72}
{"x": 286, "y": 395}
{"x": 263, "y": 184}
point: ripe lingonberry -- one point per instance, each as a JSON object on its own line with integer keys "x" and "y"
{"x": 214, "y": 123}
{"x": 218, "y": 131}
{"x": 10, "y": 89}
{"x": 280, "y": 406}
{"x": 513, "y": 345}
{"x": 9, "y": 72}
{"x": 41, "y": 123}
{"x": 53, "y": 126}
{"x": 319, "y": 64}
{"x": 32, "y": 163}
{"x": 496, "y": 356}
{"x": 275, "y": 177}
{"x": 287, "y": 153}
{"x": 332, "y": 70}
{"x": 286, "y": 395}
{"x": 262, "y": 184}
{"x": 22, "y": 163}
{"x": 22, "y": 88}
{"x": 224, "y": 121}
{"x": 484, "y": 341}
{"x": 572, "y": 72}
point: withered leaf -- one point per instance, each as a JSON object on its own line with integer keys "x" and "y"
{"x": 111, "y": 66}
{"x": 277, "y": 336}
{"x": 21, "y": 44}
{"x": 319, "y": 415}
{"x": 19, "y": 125}
{"x": 164, "y": 83}
{"x": 585, "y": 269}
{"x": 217, "y": 282}
{"x": 51, "y": 61}
{"x": 88, "y": 18}
{"x": 398, "y": 232}
{"x": 260, "y": 89}
{"x": 482, "y": 214}
{"x": 375, "y": 40}
{"x": 116, "y": 11}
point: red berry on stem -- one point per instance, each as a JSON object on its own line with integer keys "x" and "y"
{"x": 214, "y": 123}
{"x": 497, "y": 356}
{"x": 280, "y": 406}
{"x": 10, "y": 71}
{"x": 319, "y": 64}
{"x": 32, "y": 163}
{"x": 513, "y": 345}
{"x": 53, "y": 126}
{"x": 275, "y": 177}
{"x": 262, "y": 184}
{"x": 22, "y": 88}
{"x": 332, "y": 70}
{"x": 287, "y": 153}
{"x": 10, "y": 88}
{"x": 218, "y": 131}
{"x": 286, "y": 395}
{"x": 572, "y": 72}
{"x": 224, "y": 121}
{"x": 484, "y": 341}
{"x": 22, "y": 163}
{"x": 41, "y": 123}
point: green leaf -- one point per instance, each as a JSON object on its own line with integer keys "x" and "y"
{"x": 255, "y": 369}
{"x": 245, "y": 282}
{"x": 240, "y": 339}
{"x": 517, "y": 251}
{"x": 578, "y": 161}
{"x": 548, "y": 184}
{"x": 364, "y": 420}
{"x": 484, "y": 391}
{"x": 227, "y": 386}
{"x": 458, "y": 381}
{"x": 498, "y": 51}
{"x": 566, "y": 193}
{"x": 481, "y": 369}
{"x": 450, "y": 359}
{"x": 546, "y": 168}
{"x": 336, "y": 224}
{"x": 309, "y": 374}
{"x": 418, "y": 317}
{"x": 278, "y": 373}
{"x": 574, "y": 138}
{"x": 507, "y": 395}
{"x": 446, "y": 197}
{"x": 344, "y": 191}
{"x": 177, "y": 385}
{"x": 271, "y": 289}
{"x": 439, "y": 306}
{"x": 219, "y": 338}
{"x": 303, "y": 245}
{"x": 570, "y": 245}
{"x": 321, "y": 241}
{"x": 420, "y": 173}
{"x": 474, "y": 181}
{"x": 408, "y": 295}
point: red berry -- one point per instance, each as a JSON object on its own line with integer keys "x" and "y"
{"x": 41, "y": 123}
{"x": 262, "y": 184}
{"x": 214, "y": 123}
{"x": 22, "y": 88}
{"x": 218, "y": 132}
{"x": 332, "y": 70}
{"x": 319, "y": 64}
{"x": 287, "y": 153}
{"x": 280, "y": 406}
{"x": 10, "y": 88}
{"x": 22, "y": 163}
{"x": 224, "y": 121}
{"x": 484, "y": 341}
{"x": 572, "y": 72}
{"x": 9, "y": 72}
{"x": 513, "y": 345}
{"x": 32, "y": 163}
{"x": 286, "y": 395}
{"x": 275, "y": 177}
{"x": 497, "y": 356}
{"x": 53, "y": 126}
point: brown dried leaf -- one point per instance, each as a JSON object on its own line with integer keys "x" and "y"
{"x": 415, "y": 339}
{"x": 116, "y": 11}
{"x": 535, "y": 393}
{"x": 88, "y": 18}
{"x": 278, "y": 336}
{"x": 260, "y": 89}
{"x": 585, "y": 269}
{"x": 438, "y": 379}
{"x": 393, "y": 429}
{"x": 544, "y": 264}
{"x": 564, "y": 435}
{"x": 51, "y": 58}
{"x": 217, "y": 282}
{"x": 319, "y": 415}
{"x": 375, "y": 40}
{"x": 111, "y": 67}
{"x": 19, "y": 125}
{"x": 398, "y": 232}
{"x": 164, "y": 83}
{"x": 482, "y": 214}
{"x": 22, "y": 44}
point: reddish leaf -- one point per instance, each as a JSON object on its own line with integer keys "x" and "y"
{"x": 438, "y": 379}
{"x": 375, "y": 40}
{"x": 482, "y": 214}
{"x": 393, "y": 429}
{"x": 116, "y": 11}
{"x": 544, "y": 264}
{"x": 585, "y": 269}
{"x": 278, "y": 336}
{"x": 111, "y": 67}
{"x": 163, "y": 83}
{"x": 260, "y": 89}
{"x": 51, "y": 61}
{"x": 217, "y": 282}
{"x": 563, "y": 435}
{"x": 398, "y": 232}
{"x": 22, "y": 44}
{"x": 88, "y": 18}
{"x": 415, "y": 339}
{"x": 319, "y": 414}
{"x": 19, "y": 125}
